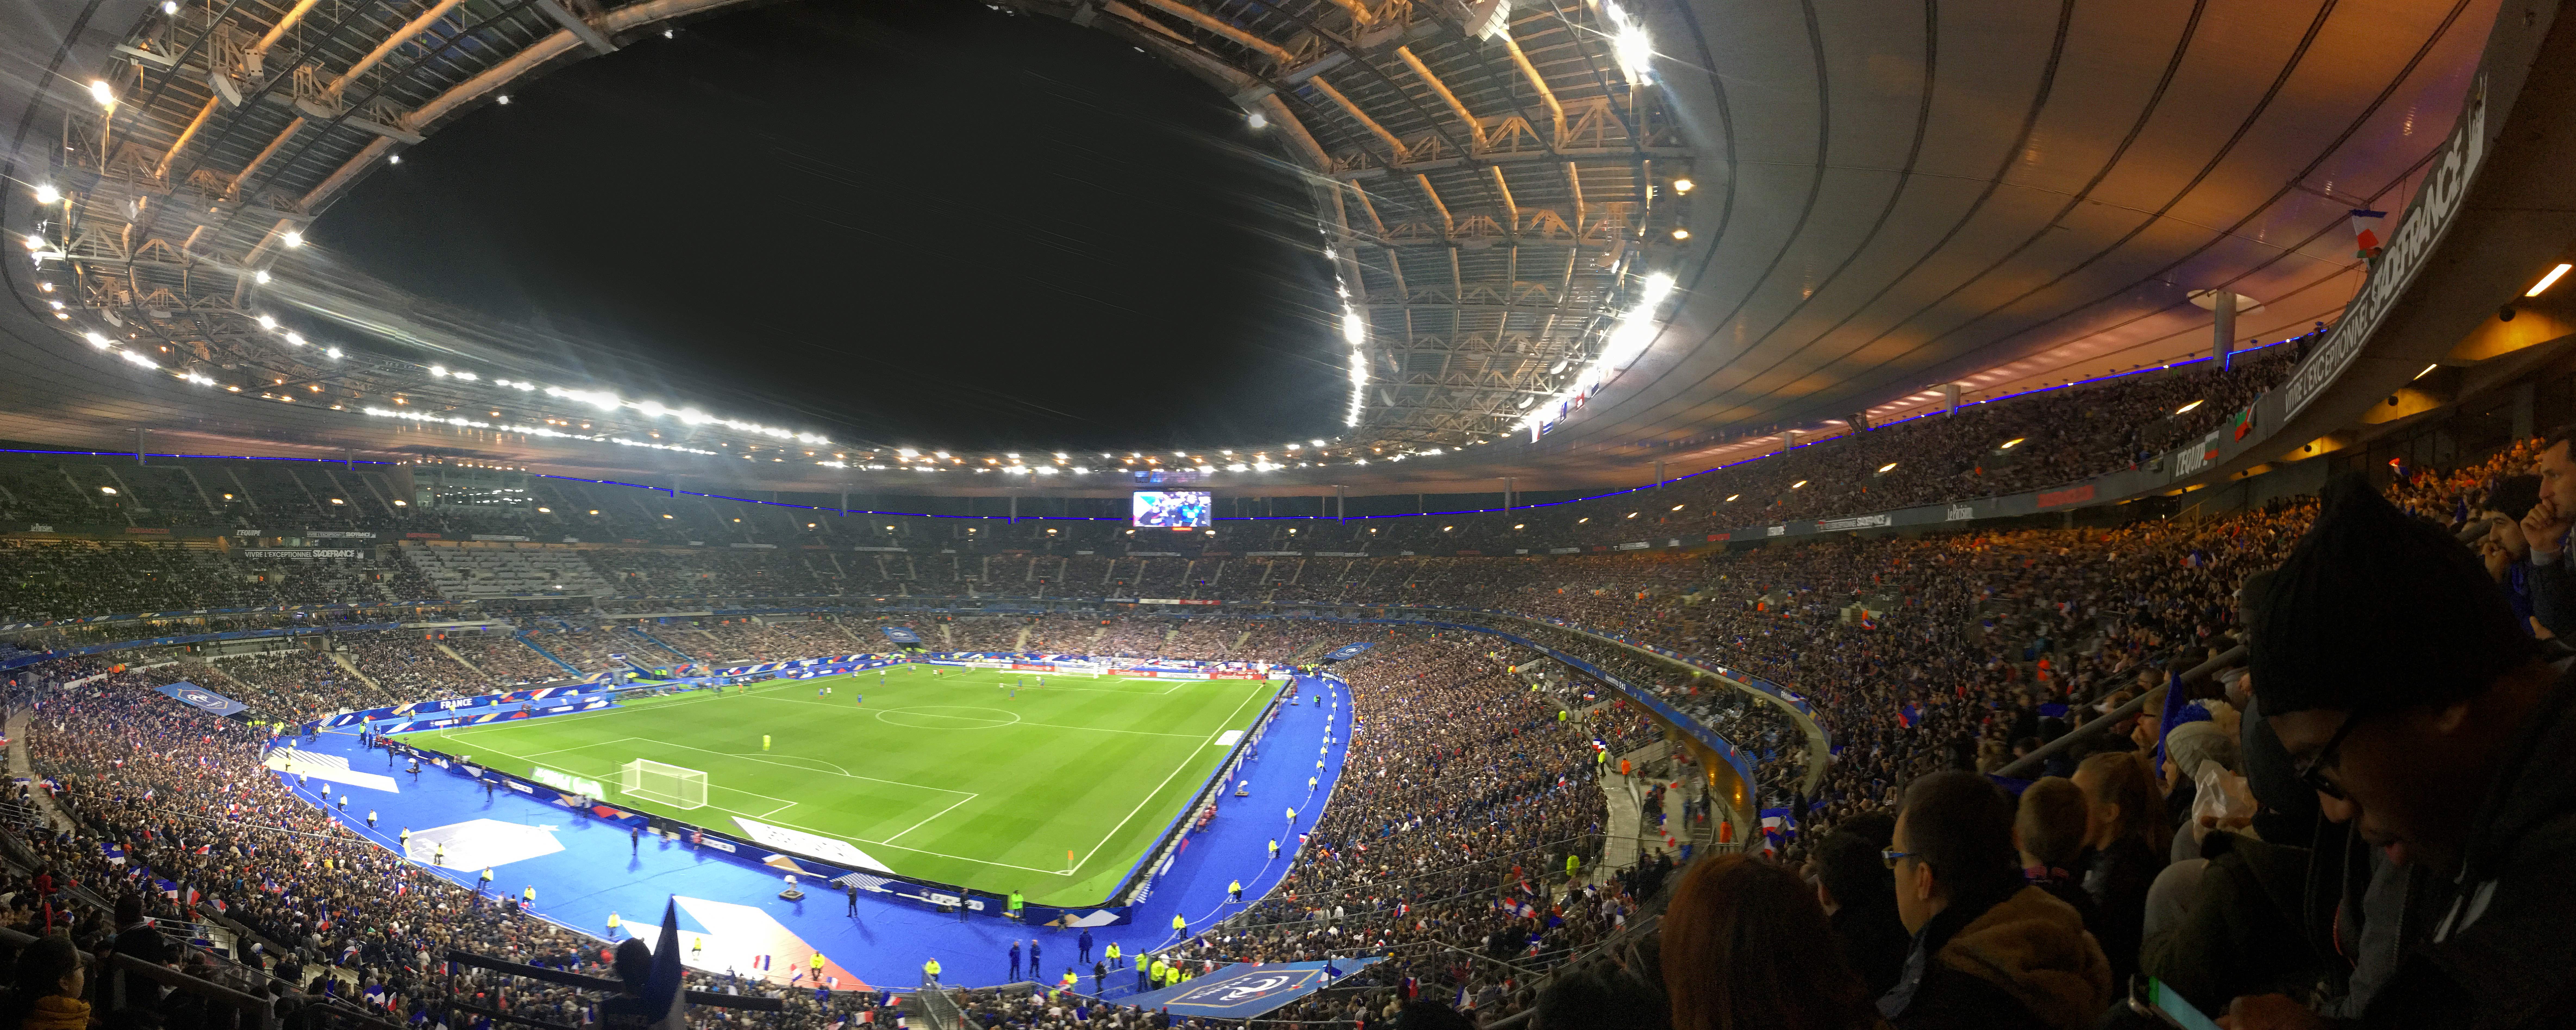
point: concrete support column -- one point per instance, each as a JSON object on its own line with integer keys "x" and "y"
{"x": 2222, "y": 327}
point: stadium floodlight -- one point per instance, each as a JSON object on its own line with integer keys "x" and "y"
{"x": 292, "y": 238}
{"x": 2546, "y": 281}
{"x": 268, "y": 321}
{"x": 294, "y": 339}
{"x": 1354, "y": 330}
{"x": 1318, "y": 443}
{"x": 98, "y": 341}
{"x": 331, "y": 352}
{"x": 2012, "y": 443}
{"x": 47, "y": 194}
{"x": 137, "y": 359}
{"x": 1887, "y": 468}
{"x": 260, "y": 276}
{"x": 665, "y": 784}
{"x": 1629, "y": 42}
{"x": 1257, "y": 120}
{"x": 1679, "y": 507}
{"x": 1683, "y": 185}
{"x": 169, "y": 6}
{"x": 35, "y": 242}
{"x": 1681, "y": 233}
{"x": 100, "y": 91}
{"x": 1797, "y": 484}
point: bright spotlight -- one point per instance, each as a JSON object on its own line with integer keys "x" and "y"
{"x": 502, "y": 99}
{"x": 1258, "y": 120}
{"x": 100, "y": 91}
{"x": 293, "y": 238}
{"x": 47, "y": 194}
{"x": 1683, "y": 185}
{"x": 267, "y": 322}
{"x": 260, "y": 276}
{"x": 1681, "y": 234}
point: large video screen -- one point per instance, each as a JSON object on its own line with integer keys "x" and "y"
{"x": 1173, "y": 509}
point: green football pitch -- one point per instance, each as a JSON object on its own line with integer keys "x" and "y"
{"x": 948, "y": 778}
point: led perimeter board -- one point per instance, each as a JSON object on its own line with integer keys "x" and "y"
{"x": 1173, "y": 509}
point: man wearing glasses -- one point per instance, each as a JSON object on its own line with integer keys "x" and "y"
{"x": 1990, "y": 951}
{"x": 2428, "y": 724}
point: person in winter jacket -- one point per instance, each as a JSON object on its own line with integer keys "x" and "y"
{"x": 46, "y": 994}
{"x": 1990, "y": 951}
{"x": 2424, "y": 719}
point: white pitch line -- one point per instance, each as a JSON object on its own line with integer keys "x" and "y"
{"x": 1158, "y": 788}
{"x": 933, "y": 815}
{"x": 783, "y": 765}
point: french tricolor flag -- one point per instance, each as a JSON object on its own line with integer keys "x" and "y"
{"x": 760, "y": 962}
{"x": 2366, "y": 240}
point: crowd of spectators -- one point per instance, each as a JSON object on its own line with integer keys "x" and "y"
{"x": 2154, "y": 846}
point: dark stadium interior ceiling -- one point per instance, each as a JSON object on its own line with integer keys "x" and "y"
{"x": 1884, "y": 198}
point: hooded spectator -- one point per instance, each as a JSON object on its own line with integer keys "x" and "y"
{"x": 1990, "y": 951}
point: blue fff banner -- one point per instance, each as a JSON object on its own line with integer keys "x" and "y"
{"x": 191, "y": 694}
{"x": 899, "y": 634}
{"x": 1346, "y": 652}
{"x": 1246, "y": 990}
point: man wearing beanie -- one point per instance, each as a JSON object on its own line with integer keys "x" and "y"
{"x": 2425, "y": 721}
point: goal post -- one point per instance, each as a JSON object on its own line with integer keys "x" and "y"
{"x": 662, "y": 783}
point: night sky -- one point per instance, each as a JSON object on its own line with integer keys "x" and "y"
{"x": 908, "y": 221}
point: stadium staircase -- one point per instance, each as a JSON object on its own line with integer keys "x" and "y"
{"x": 460, "y": 659}
{"x": 524, "y": 638}
{"x": 658, "y": 642}
{"x": 19, "y": 768}
{"x": 352, "y": 668}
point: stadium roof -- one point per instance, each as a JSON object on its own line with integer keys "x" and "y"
{"x": 1884, "y": 198}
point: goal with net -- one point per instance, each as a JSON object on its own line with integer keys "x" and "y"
{"x": 665, "y": 784}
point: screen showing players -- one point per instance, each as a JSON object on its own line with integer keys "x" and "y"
{"x": 1172, "y": 509}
